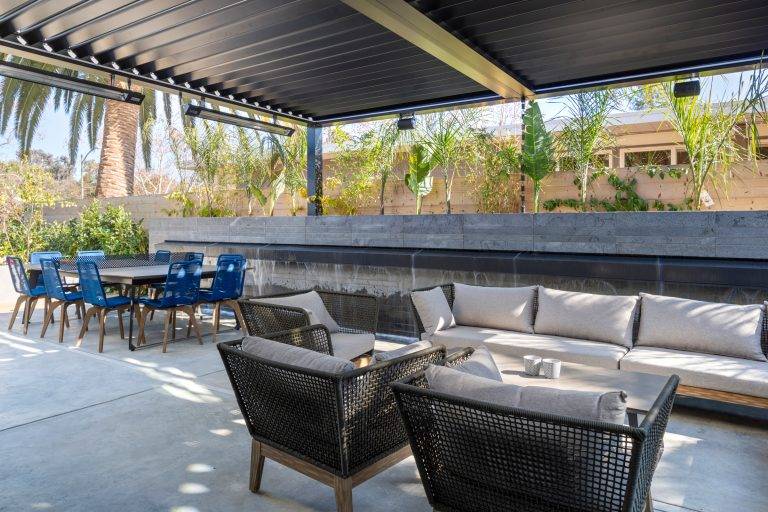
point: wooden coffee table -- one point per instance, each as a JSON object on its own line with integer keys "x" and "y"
{"x": 642, "y": 388}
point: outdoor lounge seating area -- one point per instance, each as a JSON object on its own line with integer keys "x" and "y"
{"x": 384, "y": 255}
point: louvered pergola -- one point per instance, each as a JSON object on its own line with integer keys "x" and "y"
{"x": 317, "y": 62}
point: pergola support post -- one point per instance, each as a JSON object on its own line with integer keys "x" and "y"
{"x": 522, "y": 144}
{"x": 315, "y": 169}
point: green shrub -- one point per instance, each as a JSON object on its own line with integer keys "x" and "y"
{"x": 109, "y": 228}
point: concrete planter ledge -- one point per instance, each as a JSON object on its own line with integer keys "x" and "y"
{"x": 739, "y": 235}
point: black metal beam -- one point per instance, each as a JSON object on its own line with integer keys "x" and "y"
{"x": 315, "y": 169}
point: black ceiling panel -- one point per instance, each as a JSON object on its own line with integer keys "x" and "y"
{"x": 323, "y": 59}
{"x": 552, "y": 43}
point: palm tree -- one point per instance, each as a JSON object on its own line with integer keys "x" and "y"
{"x": 23, "y": 103}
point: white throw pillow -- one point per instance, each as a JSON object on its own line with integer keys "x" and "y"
{"x": 295, "y": 356}
{"x": 696, "y": 326}
{"x": 312, "y": 303}
{"x": 433, "y": 310}
{"x": 586, "y": 316}
{"x": 494, "y": 307}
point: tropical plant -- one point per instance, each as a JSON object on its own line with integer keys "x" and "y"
{"x": 585, "y": 134}
{"x": 419, "y": 179}
{"x": 293, "y": 155}
{"x": 383, "y": 143}
{"x": 204, "y": 151}
{"x": 350, "y": 186}
{"x": 493, "y": 165}
{"x": 256, "y": 163}
{"x": 711, "y": 131}
{"x": 22, "y": 105}
{"x": 446, "y": 134}
{"x": 538, "y": 158}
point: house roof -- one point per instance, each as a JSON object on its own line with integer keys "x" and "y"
{"x": 331, "y": 59}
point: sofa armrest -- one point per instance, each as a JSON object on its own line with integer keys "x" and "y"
{"x": 261, "y": 318}
{"x": 354, "y": 312}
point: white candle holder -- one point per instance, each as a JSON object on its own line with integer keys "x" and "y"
{"x": 532, "y": 365}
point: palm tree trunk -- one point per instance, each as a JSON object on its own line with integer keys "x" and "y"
{"x": 118, "y": 150}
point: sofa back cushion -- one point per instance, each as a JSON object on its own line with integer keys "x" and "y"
{"x": 433, "y": 310}
{"x": 610, "y": 406}
{"x": 695, "y": 326}
{"x": 494, "y": 307}
{"x": 607, "y": 318}
{"x": 295, "y": 356}
{"x": 312, "y": 303}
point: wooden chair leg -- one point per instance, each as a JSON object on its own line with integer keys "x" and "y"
{"x": 19, "y": 300}
{"x": 342, "y": 487}
{"x": 77, "y": 310}
{"x": 86, "y": 318}
{"x": 29, "y": 308}
{"x": 169, "y": 313}
{"x": 64, "y": 321}
{"x": 141, "y": 317}
{"x": 257, "y": 466}
{"x": 102, "y": 322}
{"x": 238, "y": 314}
{"x": 216, "y": 318}
{"x": 194, "y": 323}
{"x": 120, "y": 323}
{"x": 174, "y": 324}
{"x": 51, "y": 309}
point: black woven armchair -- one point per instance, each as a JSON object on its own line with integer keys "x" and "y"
{"x": 338, "y": 429}
{"x": 354, "y": 312}
{"x": 473, "y": 456}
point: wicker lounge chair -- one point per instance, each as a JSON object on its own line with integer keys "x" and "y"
{"x": 339, "y": 429}
{"x": 477, "y": 456}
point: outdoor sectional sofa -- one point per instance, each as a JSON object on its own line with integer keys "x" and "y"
{"x": 718, "y": 350}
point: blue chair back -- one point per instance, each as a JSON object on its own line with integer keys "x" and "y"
{"x": 95, "y": 256}
{"x": 194, "y": 256}
{"x": 162, "y": 256}
{"x": 230, "y": 276}
{"x": 18, "y": 275}
{"x": 52, "y": 279}
{"x": 182, "y": 285}
{"x": 90, "y": 283}
{"x": 35, "y": 257}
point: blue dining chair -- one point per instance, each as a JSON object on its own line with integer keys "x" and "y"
{"x": 58, "y": 296}
{"x": 28, "y": 295}
{"x": 35, "y": 257}
{"x": 91, "y": 254}
{"x": 227, "y": 286}
{"x": 101, "y": 304}
{"x": 180, "y": 293}
{"x": 162, "y": 256}
{"x": 194, "y": 256}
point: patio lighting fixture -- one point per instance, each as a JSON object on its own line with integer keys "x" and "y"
{"x": 687, "y": 89}
{"x": 245, "y": 122}
{"x": 406, "y": 121}
{"x": 38, "y": 76}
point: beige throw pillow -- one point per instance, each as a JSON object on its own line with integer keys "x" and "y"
{"x": 433, "y": 309}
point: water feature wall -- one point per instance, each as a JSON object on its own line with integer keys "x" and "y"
{"x": 708, "y": 256}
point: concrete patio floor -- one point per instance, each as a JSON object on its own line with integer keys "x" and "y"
{"x": 146, "y": 431}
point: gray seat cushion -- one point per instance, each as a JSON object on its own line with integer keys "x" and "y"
{"x": 433, "y": 310}
{"x": 608, "y": 406}
{"x": 505, "y": 345}
{"x": 495, "y": 307}
{"x": 586, "y": 316}
{"x": 312, "y": 303}
{"x": 348, "y": 345}
{"x": 696, "y": 326}
{"x": 707, "y": 371}
{"x": 294, "y": 356}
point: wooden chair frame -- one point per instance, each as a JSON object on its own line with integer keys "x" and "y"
{"x": 170, "y": 318}
{"x": 50, "y": 309}
{"x": 101, "y": 313}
